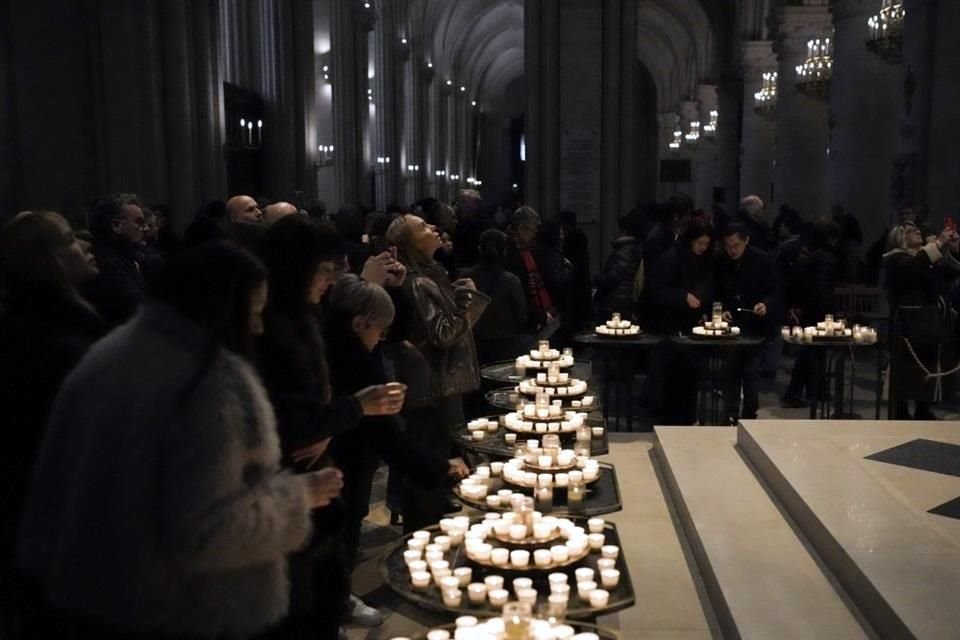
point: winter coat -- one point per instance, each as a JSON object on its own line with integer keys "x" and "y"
{"x": 616, "y": 283}
{"x": 496, "y": 330}
{"x": 158, "y": 504}
{"x": 743, "y": 284}
{"x": 117, "y": 291}
{"x": 912, "y": 279}
{"x": 357, "y": 452}
{"x": 291, "y": 358}
{"x": 677, "y": 273}
{"x": 443, "y": 360}
{"x": 816, "y": 271}
{"x": 42, "y": 337}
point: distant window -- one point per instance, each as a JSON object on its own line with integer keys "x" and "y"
{"x": 523, "y": 148}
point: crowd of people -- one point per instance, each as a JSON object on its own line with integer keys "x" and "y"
{"x": 193, "y": 425}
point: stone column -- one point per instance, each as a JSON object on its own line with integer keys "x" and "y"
{"x": 757, "y": 133}
{"x": 533, "y": 126}
{"x": 326, "y": 185}
{"x": 863, "y": 105}
{"x": 690, "y": 112}
{"x": 667, "y": 123}
{"x": 731, "y": 106}
{"x": 708, "y": 170}
{"x": 802, "y": 131}
{"x": 629, "y": 122}
{"x": 943, "y": 182}
{"x": 349, "y": 66}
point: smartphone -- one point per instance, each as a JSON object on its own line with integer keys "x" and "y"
{"x": 949, "y": 224}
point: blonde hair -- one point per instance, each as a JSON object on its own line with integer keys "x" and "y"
{"x": 897, "y": 238}
{"x": 399, "y": 235}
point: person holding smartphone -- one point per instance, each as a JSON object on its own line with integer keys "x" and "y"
{"x": 439, "y": 361}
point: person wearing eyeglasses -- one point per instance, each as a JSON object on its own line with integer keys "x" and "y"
{"x": 117, "y": 223}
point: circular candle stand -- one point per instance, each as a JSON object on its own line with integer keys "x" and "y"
{"x": 601, "y": 633}
{"x": 397, "y": 575}
{"x": 493, "y": 442}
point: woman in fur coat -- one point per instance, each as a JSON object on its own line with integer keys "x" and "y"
{"x": 158, "y": 506}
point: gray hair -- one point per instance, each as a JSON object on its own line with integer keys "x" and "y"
{"x": 353, "y": 296}
{"x": 527, "y": 217}
{"x": 897, "y": 238}
{"x": 753, "y": 207}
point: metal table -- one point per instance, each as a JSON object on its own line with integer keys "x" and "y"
{"x": 715, "y": 349}
{"x": 829, "y": 370}
{"x": 617, "y": 354}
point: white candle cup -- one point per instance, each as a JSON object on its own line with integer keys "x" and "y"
{"x": 596, "y": 541}
{"x": 483, "y": 472}
{"x": 422, "y": 535}
{"x": 560, "y": 553}
{"x": 493, "y": 501}
{"x": 500, "y": 557}
{"x": 541, "y": 378}
{"x": 411, "y": 555}
{"x": 611, "y": 551}
{"x": 597, "y": 432}
{"x": 527, "y": 596}
{"x": 446, "y": 524}
{"x": 420, "y": 579}
{"x": 561, "y": 479}
{"x": 529, "y": 411}
{"x": 556, "y": 412}
{"x": 519, "y": 558}
{"x": 465, "y": 622}
{"x": 417, "y": 565}
{"x": 584, "y": 589}
{"x": 530, "y": 479}
{"x": 521, "y": 583}
{"x": 505, "y": 494}
{"x": 576, "y": 546}
{"x": 541, "y": 531}
{"x": 476, "y": 592}
{"x": 609, "y": 578}
{"x": 441, "y": 573}
{"x": 560, "y": 590}
{"x": 599, "y": 598}
{"x": 502, "y": 527}
{"x": 543, "y": 412}
{"x": 492, "y": 426}
{"x": 584, "y": 574}
{"x": 416, "y": 544}
{"x": 518, "y": 532}
{"x": 545, "y": 480}
{"x": 556, "y": 608}
{"x": 576, "y": 476}
{"x": 576, "y": 404}
{"x": 557, "y": 578}
{"x": 564, "y": 377}
{"x": 498, "y": 597}
{"x": 595, "y": 525}
{"x": 587, "y": 401}
{"x": 464, "y": 575}
{"x": 510, "y": 438}
{"x": 590, "y": 474}
{"x": 434, "y": 560}
{"x": 496, "y": 468}
{"x": 542, "y": 558}
{"x": 545, "y": 461}
{"x": 452, "y": 598}
{"x": 482, "y": 553}
{"x": 449, "y": 583}
{"x": 606, "y": 563}
{"x": 438, "y": 634}
{"x": 443, "y": 542}
{"x": 493, "y": 582}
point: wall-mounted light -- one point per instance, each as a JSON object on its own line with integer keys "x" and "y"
{"x": 710, "y": 129}
{"x": 677, "y": 140}
{"x": 383, "y": 159}
{"x": 473, "y": 103}
{"x": 370, "y": 95}
{"x": 440, "y": 173}
{"x": 449, "y": 83}
{"x": 463, "y": 89}
{"x": 693, "y": 136}
{"x": 429, "y": 65}
{"x": 403, "y": 40}
{"x": 326, "y": 156}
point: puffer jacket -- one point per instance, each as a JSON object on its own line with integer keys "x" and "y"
{"x": 615, "y": 284}
{"x": 438, "y": 358}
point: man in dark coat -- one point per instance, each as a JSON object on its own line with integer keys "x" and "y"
{"x": 117, "y": 223}
{"x": 746, "y": 286}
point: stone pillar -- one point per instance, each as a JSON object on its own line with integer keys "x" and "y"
{"x": 731, "y": 107}
{"x": 943, "y": 181}
{"x": 349, "y": 65}
{"x": 690, "y": 112}
{"x": 863, "y": 105}
{"x": 757, "y": 133}
{"x": 802, "y": 130}
{"x": 707, "y": 172}
{"x": 533, "y": 176}
{"x": 667, "y": 123}
{"x": 542, "y": 50}
{"x": 325, "y": 174}
{"x": 629, "y": 121}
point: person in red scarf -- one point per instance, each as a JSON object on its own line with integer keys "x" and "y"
{"x": 521, "y": 262}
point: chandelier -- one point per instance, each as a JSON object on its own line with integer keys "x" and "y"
{"x": 886, "y": 31}
{"x": 813, "y": 76}
{"x": 693, "y": 136}
{"x": 710, "y": 129}
{"x": 765, "y": 100}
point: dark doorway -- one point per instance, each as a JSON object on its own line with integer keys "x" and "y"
{"x": 243, "y": 150}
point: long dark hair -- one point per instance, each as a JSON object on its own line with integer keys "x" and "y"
{"x": 493, "y": 249}
{"x": 212, "y": 285}
{"x": 28, "y": 257}
{"x": 292, "y": 249}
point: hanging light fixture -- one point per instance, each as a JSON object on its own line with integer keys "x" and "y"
{"x": 693, "y": 136}
{"x": 813, "y": 76}
{"x": 886, "y": 31}
{"x": 765, "y": 100}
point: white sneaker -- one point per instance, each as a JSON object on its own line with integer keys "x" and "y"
{"x": 363, "y": 614}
